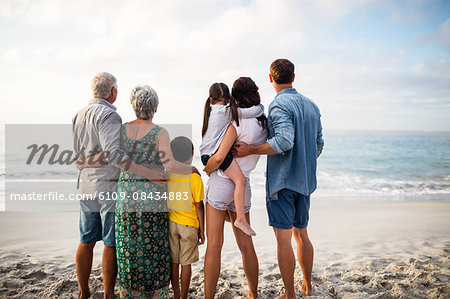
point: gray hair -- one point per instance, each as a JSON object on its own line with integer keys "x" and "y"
{"x": 101, "y": 85}
{"x": 144, "y": 101}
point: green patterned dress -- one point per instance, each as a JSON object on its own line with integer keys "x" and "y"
{"x": 141, "y": 226}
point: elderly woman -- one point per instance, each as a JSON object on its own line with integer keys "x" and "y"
{"x": 141, "y": 221}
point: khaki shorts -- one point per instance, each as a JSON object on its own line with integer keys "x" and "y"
{"x": 183, "y": 240}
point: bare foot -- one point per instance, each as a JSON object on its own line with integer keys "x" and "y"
{"x": 245, "y": 227}
{"x": 305, "y": 289}
{"x": 248, "y": 294}
{"x": 84, "y": 295}
{"x": 284, "y": 296}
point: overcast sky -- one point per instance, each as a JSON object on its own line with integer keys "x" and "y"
{"x": 376, "y": 65}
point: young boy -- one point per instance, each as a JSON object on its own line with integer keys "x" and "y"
{"x": 186, "y": 217}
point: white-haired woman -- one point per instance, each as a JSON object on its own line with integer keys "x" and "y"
{"x": 142, "y": 237}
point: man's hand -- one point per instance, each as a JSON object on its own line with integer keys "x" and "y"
{"x": 240, "y": 149}
{"x": 201, "y": 237}
{"x": 79, "y": 164}
{"x": 156, "y": 176}
{"x": 208, "y": 173}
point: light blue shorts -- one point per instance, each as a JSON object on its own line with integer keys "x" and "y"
{"x": 220, "y": 193}
{"x": 97, "y": 221}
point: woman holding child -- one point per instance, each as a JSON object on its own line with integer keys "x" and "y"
{"x": 223, "y": 195}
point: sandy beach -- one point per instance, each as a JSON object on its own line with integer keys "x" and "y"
{"x": 355, "y": 101}
{"x": 381, "y": 250}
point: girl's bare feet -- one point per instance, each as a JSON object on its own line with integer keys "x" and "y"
{"x": 245, "y": 227}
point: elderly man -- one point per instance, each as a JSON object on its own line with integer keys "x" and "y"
{"x": 96, "y": 128}
{"x": 295, "y": 142}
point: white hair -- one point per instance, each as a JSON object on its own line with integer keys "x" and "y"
{"x": 101, "y": 85}
{"x": 144, "y": 101}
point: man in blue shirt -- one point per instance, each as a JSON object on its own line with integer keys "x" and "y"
{"x": 295, "y": 142}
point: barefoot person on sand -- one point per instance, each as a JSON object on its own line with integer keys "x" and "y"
{"x": 295, "y": 142}
{"x": 220, "y": 189}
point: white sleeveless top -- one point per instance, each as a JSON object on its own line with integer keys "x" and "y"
{"x": 219, "y": 120}
{"x": 250, "y": 132}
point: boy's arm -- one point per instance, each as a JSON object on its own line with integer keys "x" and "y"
{"x": 200, "y": 209}
{"x": 198, "y": 194}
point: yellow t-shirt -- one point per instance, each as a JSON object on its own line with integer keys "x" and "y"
{"x": 184, "y": 190}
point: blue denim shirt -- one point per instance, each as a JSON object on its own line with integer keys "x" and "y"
{"x": 295, "y": 134}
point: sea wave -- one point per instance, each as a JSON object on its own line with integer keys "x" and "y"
{"x": 328, "y": 183}
{"x": 356, "y": 185}
{"x": 352, "y": 185}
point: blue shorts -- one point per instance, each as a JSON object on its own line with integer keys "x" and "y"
{"x": 291, "y": 209}
{"x": 97, "y": 222}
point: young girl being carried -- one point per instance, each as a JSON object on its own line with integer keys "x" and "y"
{"x": 220, "y": 110}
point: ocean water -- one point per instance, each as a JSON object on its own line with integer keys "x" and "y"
{"x": 354, "y": 165}
{"x": 380, "y": 165}
{"x": 385, "y": 163}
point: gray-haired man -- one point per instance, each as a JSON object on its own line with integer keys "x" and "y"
{"x": 96, "y": 128}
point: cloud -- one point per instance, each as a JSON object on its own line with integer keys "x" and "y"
{"x": 181, "y": 47}
{"x": 441, "y": 36}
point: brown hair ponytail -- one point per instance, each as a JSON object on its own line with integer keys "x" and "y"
{"x": 206, "y": 113}
{"x": 219, "y": 92}
{"x": 233, "y": 110}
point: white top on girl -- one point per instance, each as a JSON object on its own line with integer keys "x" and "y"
{"x": 219, "y": 120}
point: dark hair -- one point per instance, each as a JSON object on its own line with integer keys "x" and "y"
{"x": 246, "y": 94}
{"x": 182, "y": 148}
{"x": 282, "y": 71}
{"x": 219, "y": 92}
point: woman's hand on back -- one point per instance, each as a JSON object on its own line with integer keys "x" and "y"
{"x": 157, "y": 176}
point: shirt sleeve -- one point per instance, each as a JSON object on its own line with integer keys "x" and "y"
{"x": 251, "y": 112}
{"x": 109, "y": 135}
{"x": 283, "y": 129}
{"x": 320, "y": 142}
{"x": 198, "y": 193}
{"x": 236, "y": 127}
